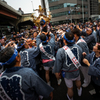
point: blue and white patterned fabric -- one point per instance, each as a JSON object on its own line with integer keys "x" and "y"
{"x": 64, "y": 63}
{"x": 18, "y": 83}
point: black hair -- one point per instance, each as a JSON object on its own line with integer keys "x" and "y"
{"x": 30, "y": 34}
{"x": 44, "y": 29}
{"x": 34, "y": 32}
{"x": 19, "y": 45}
{"x": 95, "y": 26}
{"x": 76, "y": 31}
{"x": 5, "y": 55}
{"x": 52, "y": 30}
{"x": 43, "y": 37}
{"x": 0, "y": 36}
{"x": 69, "y": 36}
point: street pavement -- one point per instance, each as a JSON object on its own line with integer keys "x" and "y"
{"x": 59, "y": 92}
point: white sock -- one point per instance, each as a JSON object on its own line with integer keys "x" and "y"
{"x": 49, "y": 83}
{"x": 69, "y": 97}
{"x": 59, "y": 81}
{"x": 41, "y": 97}
{"x": 79, "y": 91}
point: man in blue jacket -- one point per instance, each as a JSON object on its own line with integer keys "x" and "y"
{"x": 28, "y": 55}
{"x": 46, "y": 43}
{"x": 68, "y": 65}
{"x": 19, "y": 83}
{"x": 90, "y": 39}
{"x": 84, "y": 68}
{"x": 93, "y": 62}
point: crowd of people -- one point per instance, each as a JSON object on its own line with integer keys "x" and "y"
{"x": 64, "y": 49}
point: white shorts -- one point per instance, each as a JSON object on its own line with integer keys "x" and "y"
{"x": 69, "y": 82}
{"x": 47, "y": 68}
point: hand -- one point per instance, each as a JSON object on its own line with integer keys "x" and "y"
{"x": 51, "y": 95}
{"x": 39, "y": 33}
{"x": 97, "y": 28}
{"x": 63, "y": 34}
{"x": 49, "y": 33}
{"x": 9, "y": 44}
{"x": 77, "y": 26}
{"x": 84, "y": 54}
{"x": 86, "y": 62}
{"x": 13, "y": 45}
{"x": 82, "y": 36}
{"x": 57, "y": 39}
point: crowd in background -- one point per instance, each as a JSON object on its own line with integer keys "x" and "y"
{"x": 27, "y": 43}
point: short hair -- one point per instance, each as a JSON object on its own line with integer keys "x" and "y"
{"x": 43, "y": 37}
{"x": 5, "y": 55}
{"x": 76, "y": 31}
{"x": 69, "y": 36}
{"x": 20, "y": 45}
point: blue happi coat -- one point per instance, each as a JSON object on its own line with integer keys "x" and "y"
{"x": 18, "y": 83}
{"x": 84, "y": 48}
{"x": 64, "y": 63}
{"x": 94, "y": 68}
{"x": 28, "y": 57}
{"x": 49, "y": 48}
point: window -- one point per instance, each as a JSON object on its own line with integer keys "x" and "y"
{"x": 50, "y": 1}
{"x": 66, "y": 13}
{"x": 85, "y": 6}
{"x": 85, "y": 12}
{"x": 64, "y": 5}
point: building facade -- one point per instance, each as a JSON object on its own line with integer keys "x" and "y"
{"x": 69, "y": 10}
{"x": 94, "y": 8}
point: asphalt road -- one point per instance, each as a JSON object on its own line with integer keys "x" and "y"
{"x": 59, "y": 92}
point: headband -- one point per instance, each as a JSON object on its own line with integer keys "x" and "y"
{"x": 45, "y": 40}
{"x": 19, "y": 47}
{"x": 11, "y": 59}
{"x": 43, "y": 21}
{"x": 70, "y": 41}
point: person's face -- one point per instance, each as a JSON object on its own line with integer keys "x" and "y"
{"x": 30, "y": 30}
{"x": 95, "y": 47}
{"x": 18, "y": 58}
{"x": 88, "y": 31}
{"x": 71, "y": 27}
{"x": 75, "y": 36}
{"x": 81, "y": 27}
{"x": 94, "y": 28}
{"x": 17, "y": 32}
{"x": 14, "y": 35}
{"x": 26, "y": 45}
{"x": 35, "y": 34}
{"x": 96, "y": 50}
{"x": 26, "y": 36}
{"x": 2, "y": 41}
{"x": 29, "y": 41}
